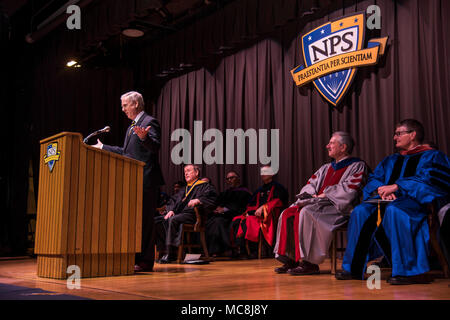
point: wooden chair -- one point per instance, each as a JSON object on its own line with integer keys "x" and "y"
{"x": 187, "y": 229}
{"x": 338, "y": 233}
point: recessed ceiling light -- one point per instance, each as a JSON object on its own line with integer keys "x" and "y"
{"x": 133, "y": 33}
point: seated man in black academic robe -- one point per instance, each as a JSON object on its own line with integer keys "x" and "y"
{"x": 230, "y": 203}
{"x": 180, "y": 209}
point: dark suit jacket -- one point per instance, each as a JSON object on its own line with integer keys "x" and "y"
{"x": 146, "y": 151}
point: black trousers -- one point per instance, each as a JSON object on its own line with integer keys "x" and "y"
{"x": 168, "y": 232}
{"x": 149, "y": 205}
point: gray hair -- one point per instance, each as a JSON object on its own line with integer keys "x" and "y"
{"x": 134, "y": 96}
{"x": 196, "y": 168}
{"x": 345, "y": 138}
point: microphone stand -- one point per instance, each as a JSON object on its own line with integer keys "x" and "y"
{"x": 95, "y": 133}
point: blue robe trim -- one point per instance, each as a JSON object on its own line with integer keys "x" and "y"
{"x": 344, "y": 163}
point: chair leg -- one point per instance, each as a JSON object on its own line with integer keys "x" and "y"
{"x": 333, "y": 253}
{"x": 203, "y": 241}
{"x": 247, "y": 247}
{"x": 260, "y": 242}
{"x": 188, "y": 241}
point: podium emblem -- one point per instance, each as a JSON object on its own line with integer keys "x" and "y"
{"x": 52, "y": 155}
{"x": 333, "y": 52}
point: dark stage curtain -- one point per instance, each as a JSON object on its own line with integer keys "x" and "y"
{"x": 253, "y": 88}
{"x": 15, "y": 126}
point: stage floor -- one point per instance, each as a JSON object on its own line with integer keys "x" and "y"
{"x": 219, "y": 280}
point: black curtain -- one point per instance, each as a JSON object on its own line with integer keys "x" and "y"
{"x": 15, "y": 128}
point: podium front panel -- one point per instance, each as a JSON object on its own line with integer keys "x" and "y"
{"x": 89, "y": 210}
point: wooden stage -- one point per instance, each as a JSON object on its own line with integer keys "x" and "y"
{"x": 220, "y": 280}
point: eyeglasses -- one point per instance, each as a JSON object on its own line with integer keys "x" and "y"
{"x": 400, "y": 133}
{"x": 229, "y": 178}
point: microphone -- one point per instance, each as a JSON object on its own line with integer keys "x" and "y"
{"x": 95, "y": 133}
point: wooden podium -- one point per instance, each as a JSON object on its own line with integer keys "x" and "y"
{"x": 89, "y": 209}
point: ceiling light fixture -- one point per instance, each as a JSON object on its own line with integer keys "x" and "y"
{"x": 71, "y": 63}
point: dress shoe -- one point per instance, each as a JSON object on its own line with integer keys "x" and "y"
{"x": 305, "y": 268}
{"x": 345, "y": 275}
{"x": 143, "y": 267}
{"x": 285, "y": 268}
{"x": 404, "y": 280}
{"x": 166, "y": 259}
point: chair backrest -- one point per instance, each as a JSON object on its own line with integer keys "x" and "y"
{"x": 200, "y": 215}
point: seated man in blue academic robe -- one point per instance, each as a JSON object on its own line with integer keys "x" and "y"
{"x": 407, "y": 181}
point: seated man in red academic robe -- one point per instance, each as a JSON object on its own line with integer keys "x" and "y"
{"x": 305, "y": 229}
{"x": 262, "y": 210}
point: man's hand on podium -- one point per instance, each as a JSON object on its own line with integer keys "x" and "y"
{"x": 99, "y": 144}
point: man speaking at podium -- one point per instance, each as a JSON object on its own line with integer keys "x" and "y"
{"x": 142, "y": 142}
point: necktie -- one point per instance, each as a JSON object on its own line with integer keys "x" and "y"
{"x": 131, "y": 128}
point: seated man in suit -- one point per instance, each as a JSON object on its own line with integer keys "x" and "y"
{"x": 230, "y": 203}
{"x": 407, "y": 181}
{"x": 264, "y": 206}
{"x": 305, "y": 229}
{"x": 180, "y": 209}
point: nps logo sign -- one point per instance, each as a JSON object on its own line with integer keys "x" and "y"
{"x": 332, "y": 54}
{"x": 52, "y": 155}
